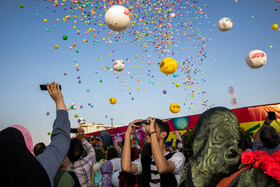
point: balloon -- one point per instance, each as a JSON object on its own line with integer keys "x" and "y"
{"x": 172, "y": 15}
{"x": 115, "y": 179}
{"x": 65, "y": 37}
{"x": 274, "y": 26}
{"x": 72, "y": 107}
{"x": 117, "y": 18}
{"x": 168, "y": 66}
{"x": 73, "y": 104}
{"x": 45, "y": 20}
{"x": 178, "y": 85}
{"x": 76, "y": 115}
{"x": 49, "y": 133}
{"x": 48, "y": 113}
{"x": 113, "y": 100}
{"x": 225, "y": 24}
{"x": 118, "y": 65}
{"x": 256, "y": 59}
{"x": 81, "y": 120}
{"x": 56, "y": 46}
{"x": 174, "y": 108}
{"x": 164, "y": 92}
{"x": 21, "y": 6}
{"x": 67, "y": 108}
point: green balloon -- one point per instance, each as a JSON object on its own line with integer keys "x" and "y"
{"x": 72, "y": 107}
{"x": 65, "y": 37}
{"x": 49, "y": 133}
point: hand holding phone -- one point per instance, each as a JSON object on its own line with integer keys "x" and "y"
{"x": 43, "y": 87}
{"x": 74, "y": 130}
{"x": 271, "y": 116}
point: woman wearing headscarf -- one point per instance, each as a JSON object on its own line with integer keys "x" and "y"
{"x": 18, "y": 166}
{"x": 216, "y": 158}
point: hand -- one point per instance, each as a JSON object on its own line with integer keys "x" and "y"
{"x": 56, "y": 95}
{"x": 151, "y": 125}
{"x": 81, "y": 133}
{"x": 267, "y": 120}
{"x": 131, "y": 127}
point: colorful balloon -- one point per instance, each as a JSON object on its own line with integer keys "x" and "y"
{"x": 113, "y": 100}
{"x": 117, "y": 18}
{"x": 65, "y": 37}
{"x": 274, "y": 26}
{"x": 225, "y": 24}
{"x": 168, "y": 66}
{"x": 118, "y": 65}
{"x": 174, "y": 108}
{"x": 76, "y": 115}
{"x": 256, "y": 59}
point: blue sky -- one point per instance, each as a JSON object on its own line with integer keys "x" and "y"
{"x": 28, "y": 58}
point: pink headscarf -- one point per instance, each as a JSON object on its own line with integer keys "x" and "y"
{"x": 27, "y": 136}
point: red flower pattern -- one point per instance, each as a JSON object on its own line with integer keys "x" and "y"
{"x": 261, "y": 159}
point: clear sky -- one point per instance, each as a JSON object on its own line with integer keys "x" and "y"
{"x": 209, "y": 61}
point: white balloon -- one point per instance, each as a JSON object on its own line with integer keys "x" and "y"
{"x": 225, "y": 24}
{"x": 172, "y": 15}
{"x": 118, "y": 65}
{"x": 115, "y": 179}
{"x": 256, "y": 59}
{"x": 117, "y": 18}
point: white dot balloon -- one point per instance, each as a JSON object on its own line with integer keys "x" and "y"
{"x": 118, "y": 65}
{"x": 256, "y": 59}
{"x": 172, "y": 15}
{"x": 117, "y": 18}
{"x": 225, "y": 24}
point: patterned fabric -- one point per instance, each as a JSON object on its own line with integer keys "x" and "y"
{"x": 106, "y": 171}
{"x": 179, "y": 145}
{"x": 215, "y": 148}
{"x": 82, "y": 168}
{"x": 178, "y": 159}
{"x": 216, "y": 155}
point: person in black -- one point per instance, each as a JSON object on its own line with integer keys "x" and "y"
{"x": 157, "y": 166}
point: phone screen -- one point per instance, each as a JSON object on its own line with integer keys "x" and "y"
{"x": 44, "y": 87}
{"x": 74, "y": 130}
{"x": 271, "y": 116}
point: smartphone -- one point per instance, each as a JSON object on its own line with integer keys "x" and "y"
{"x": 271, "y": 116}
{"x": 44, "y": 87}
{"x": 73, "y": 130}
{"x": 140, "y": 123}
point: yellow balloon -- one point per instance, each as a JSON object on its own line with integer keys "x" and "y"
{"x": 113, "y": 100}
{"x": 76, "y": 115}
{"x": 274, "y": 26}
{"x": 174, "y": 108}
{"x": 168, "y": 66}
{"x": 178, "y": 85}
{"x": 56, "y": 46}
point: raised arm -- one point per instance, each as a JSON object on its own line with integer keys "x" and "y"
{"x": 55, "y": 153}
{"x": 88, "y": 147}
{"x": 127, "y": 166}
{"x": 163, "y": 165}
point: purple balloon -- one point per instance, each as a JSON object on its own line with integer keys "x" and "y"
{"x": 164, "y": 92}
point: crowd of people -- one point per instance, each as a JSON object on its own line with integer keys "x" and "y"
{"x": 66, "y": 162}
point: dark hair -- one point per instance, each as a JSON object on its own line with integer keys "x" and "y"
{"x": 164, "y": 127}
{"x": 76, "y": 150}
{"x": 39, "y": 149}
{"x": 112, "y": 153}
{"x": 245, "y": 143}
{"x": 269, "y": 137}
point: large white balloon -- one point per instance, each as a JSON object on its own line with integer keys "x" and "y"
{"x": 256, "y": 59}
{"x": 225, "y": 24}
{"x": 115, "y": 179}
{"x": 118, "y": 65}
{"x": 117, "y": 18}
